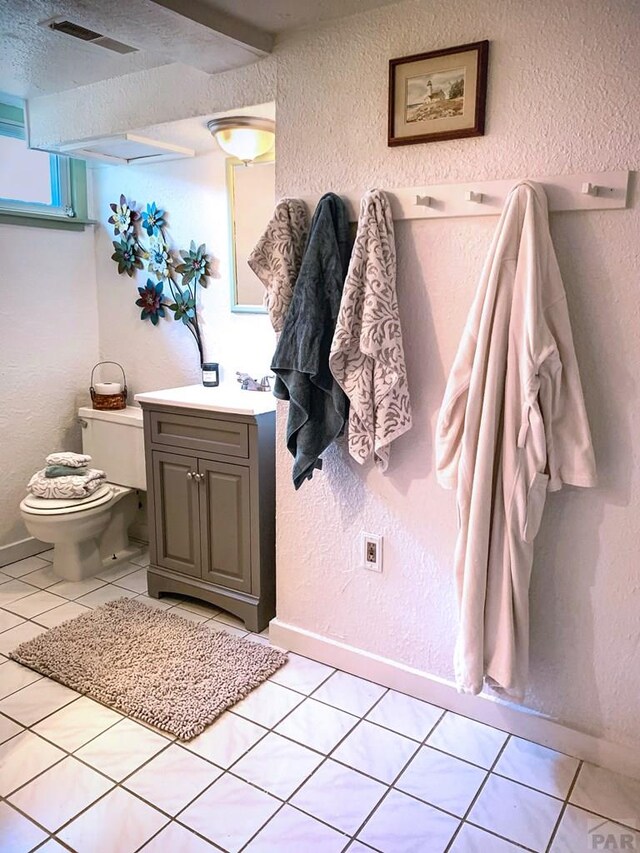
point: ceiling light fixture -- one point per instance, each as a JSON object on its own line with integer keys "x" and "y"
{"x": 244, "y": 137}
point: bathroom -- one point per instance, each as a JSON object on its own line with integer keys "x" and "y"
{"x": 561, "y": 99}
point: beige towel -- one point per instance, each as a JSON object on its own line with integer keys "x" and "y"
{"x": 367, "y": 356}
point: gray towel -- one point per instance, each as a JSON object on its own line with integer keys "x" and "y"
{"x": 318, "y": 406}
{"x": 52, "y": 471}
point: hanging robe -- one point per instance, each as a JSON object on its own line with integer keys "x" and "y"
{"x": 512, "y": 427}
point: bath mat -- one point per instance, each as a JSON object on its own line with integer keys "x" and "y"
{"x": 151, "y": 665}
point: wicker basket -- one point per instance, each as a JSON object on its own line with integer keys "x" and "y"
{"x": 109, "y": 401}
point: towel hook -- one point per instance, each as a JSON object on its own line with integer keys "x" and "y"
{"x": 423, "y": 200}
{"x": 477, "y": 198}
{"x": 589, "y": 189}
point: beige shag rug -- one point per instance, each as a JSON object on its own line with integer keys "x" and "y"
{"x": 152, "y": 665}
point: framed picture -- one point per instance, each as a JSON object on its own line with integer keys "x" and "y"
{"x": 438, "y": 95}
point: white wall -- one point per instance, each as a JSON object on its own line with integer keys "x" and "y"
{"x": 48, "y": 344}
{"x": 193, "y": 192}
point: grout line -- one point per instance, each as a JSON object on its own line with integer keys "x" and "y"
{"x": 564, "y": 806}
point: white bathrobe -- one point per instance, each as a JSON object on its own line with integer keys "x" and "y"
{"x": 512, "y": 427}
{"x": 367, "y": 355}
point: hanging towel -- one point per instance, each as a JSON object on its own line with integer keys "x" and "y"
{"x": 512, "y": 426}
{"x": 66, "y": 457}
{"x": 52, "y": 471}
{"x": 367, "y": 356}
{"x": 66, "y": 487}
{"x": 278, "y": 254}
{"x": 318, "y": 406}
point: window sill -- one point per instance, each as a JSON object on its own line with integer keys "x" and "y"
{"x": 61, "y": 223}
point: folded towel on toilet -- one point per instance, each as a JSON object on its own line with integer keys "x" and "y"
{"x": 66, "y": 457}
{"x": 63, "y": 471}
{"x": 74, "y": 486}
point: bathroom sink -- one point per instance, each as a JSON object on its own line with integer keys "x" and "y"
{"x": 230, "y": 399}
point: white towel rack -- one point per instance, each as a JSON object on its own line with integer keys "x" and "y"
{"x": 583, "y": 191}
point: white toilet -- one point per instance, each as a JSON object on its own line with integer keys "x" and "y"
{"x": 90, "y": 533}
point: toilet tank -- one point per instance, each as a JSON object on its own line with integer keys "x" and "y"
{"x": 115, "y": 442}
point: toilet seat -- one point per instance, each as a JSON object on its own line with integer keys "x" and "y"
{"x": 54, "y": 506}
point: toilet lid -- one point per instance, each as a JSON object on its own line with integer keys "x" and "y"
{"x": 56, "y": 506}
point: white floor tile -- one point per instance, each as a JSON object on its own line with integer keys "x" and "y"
{"x": 11, "y": 639}
{"x": 515, "y": 812}
{"x": 122, "y": 749}
{"x": 471, "y": 839}
{"x": 37, "y": 700}
{"x": 405, "y": 715}
{"x": 608, "y": 794}
{"x": 268, "y": 704}
{"x": 156, "y": 603}
{"x": 52, "y": 846}
{"x": 191, "y": 615}
{"x": 316, "y": 725}
{"x": 38, "y": 602}
{"x": 61, "y": 614}
{"x": 339, "y": 796}
{"x": 23, "y": 757}
{"x": 537, "y": 766}
{"x": 141, "y": 560}
{"x": 73, "y": 726}
{"x": 226, "y": 739}
{"x": 201, "y": 607}
{"x": 228, "y": 629}
{"x": 14, "y": 676}
{"x": 230, "y": 619}
{"x": 240, "y": 811}
{"x": 119, "y": 570}
{"x": 136, "y": 581}
{"x": 60, "y": 793}
{"x": 301, "y": 674}
{"x": 584, "y": 831}
{"x": 277, "y": 765}
{"x": 358, "y": 847}
{"x": 291, "y": 830}
{"x": 43, "y": 578}
{"x": 442, "y": 780}
{"x": 9, "y": 620}
{"x": 404, "y": 825}
{"x": 18, "y": 834}
{"x": 24, "y": 567}
{"x": 172, "y": 779}
{"x": 176, "y": 839}
{"x": 8, "y": 728}
{"x": 103, "y": 594}
{"x": 375, "y": 751}
{"x": 13, "y": 590}
{"x": 467, "y": 739}
{"x": 118, "y": 822}
{"x": 349, "y": 693}
{"x": 46, "y": 555}
{"x": 74, "y": 589}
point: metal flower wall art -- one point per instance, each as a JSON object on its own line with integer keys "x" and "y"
{"x": 173, "y": 276}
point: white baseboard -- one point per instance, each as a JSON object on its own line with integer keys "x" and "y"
{"x": 21, "y": 550}
{"x": 515, "y": 719}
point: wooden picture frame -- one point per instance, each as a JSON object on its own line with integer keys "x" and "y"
{"x": 438, "y": 95}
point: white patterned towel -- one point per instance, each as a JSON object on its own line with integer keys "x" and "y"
{"x": 66, "y": 457}
{"x": 367, "y": 356}
{"x": 277, "y": 256}
{"x": 62, "y": 488}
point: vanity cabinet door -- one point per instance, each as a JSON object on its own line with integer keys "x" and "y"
{"x": 225, "y": 524}
{"x": 177, "y": 522}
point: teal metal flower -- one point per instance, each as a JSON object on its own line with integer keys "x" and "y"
{"x": 184, "y": 308}
{"x": 196, "y": 265}
{"x": 128, "y": 255}
{"x": 151, "y": 301}
{"x": 153, "y": 219}
{"x": 124, "y": 216}
{"x": 160, "y": 259}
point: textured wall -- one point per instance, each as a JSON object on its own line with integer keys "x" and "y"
{"x": 562, "y": 98}
{"x": 48, "y": 344}
{"x": 193, "y": 192}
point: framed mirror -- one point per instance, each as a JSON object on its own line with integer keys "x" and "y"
{"x": 251, "y": 194}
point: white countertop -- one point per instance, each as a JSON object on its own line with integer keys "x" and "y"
{"x": 232, "y": 400}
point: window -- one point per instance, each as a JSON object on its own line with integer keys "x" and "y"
{"x": 36, "y": 185}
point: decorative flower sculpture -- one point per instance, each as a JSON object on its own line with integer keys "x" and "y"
{"x": 151, "y": 301}
{"x": 184, "y": 307}
{"x": 160, "y": 259}
{"x": 196, "y": 266}
{"x": 128, "y": 255}
{"x": 153, "y": 219}
{"x": 124, "y": 216}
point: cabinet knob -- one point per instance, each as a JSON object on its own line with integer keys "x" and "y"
{"x": 198, "y": 477}
{"x": 189, "y": 476}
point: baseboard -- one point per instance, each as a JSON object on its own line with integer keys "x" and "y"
{"x": 515, "y": 719}
{"x": 21, "y": 550}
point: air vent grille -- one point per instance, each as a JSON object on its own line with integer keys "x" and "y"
{"x": 76, "y": 31}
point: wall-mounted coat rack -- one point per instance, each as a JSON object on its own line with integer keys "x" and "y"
{"x": 584, "y": 191}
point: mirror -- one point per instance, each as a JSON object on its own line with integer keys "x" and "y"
{"x": 251, "y": 192}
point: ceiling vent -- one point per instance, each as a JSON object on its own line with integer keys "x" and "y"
{"x": 76, "y": 31}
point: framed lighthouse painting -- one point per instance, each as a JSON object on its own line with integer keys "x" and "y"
{"x": 438, "y": 95}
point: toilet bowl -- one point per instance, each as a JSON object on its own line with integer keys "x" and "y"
{"x": 91, "y": 533}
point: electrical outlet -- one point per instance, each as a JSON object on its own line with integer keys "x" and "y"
{"x": 371, "y": 551}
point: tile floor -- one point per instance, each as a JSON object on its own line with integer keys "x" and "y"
{"x": 313, "y": 760}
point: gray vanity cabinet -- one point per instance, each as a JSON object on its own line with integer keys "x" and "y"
{"x": 211, "y": 489}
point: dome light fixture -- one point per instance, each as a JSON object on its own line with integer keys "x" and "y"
{"x": 244, "y": 137}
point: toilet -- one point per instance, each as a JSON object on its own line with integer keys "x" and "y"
{"x": 91, "y": 533}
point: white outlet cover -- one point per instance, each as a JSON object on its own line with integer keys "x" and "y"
{"x": 376, "y": 539}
